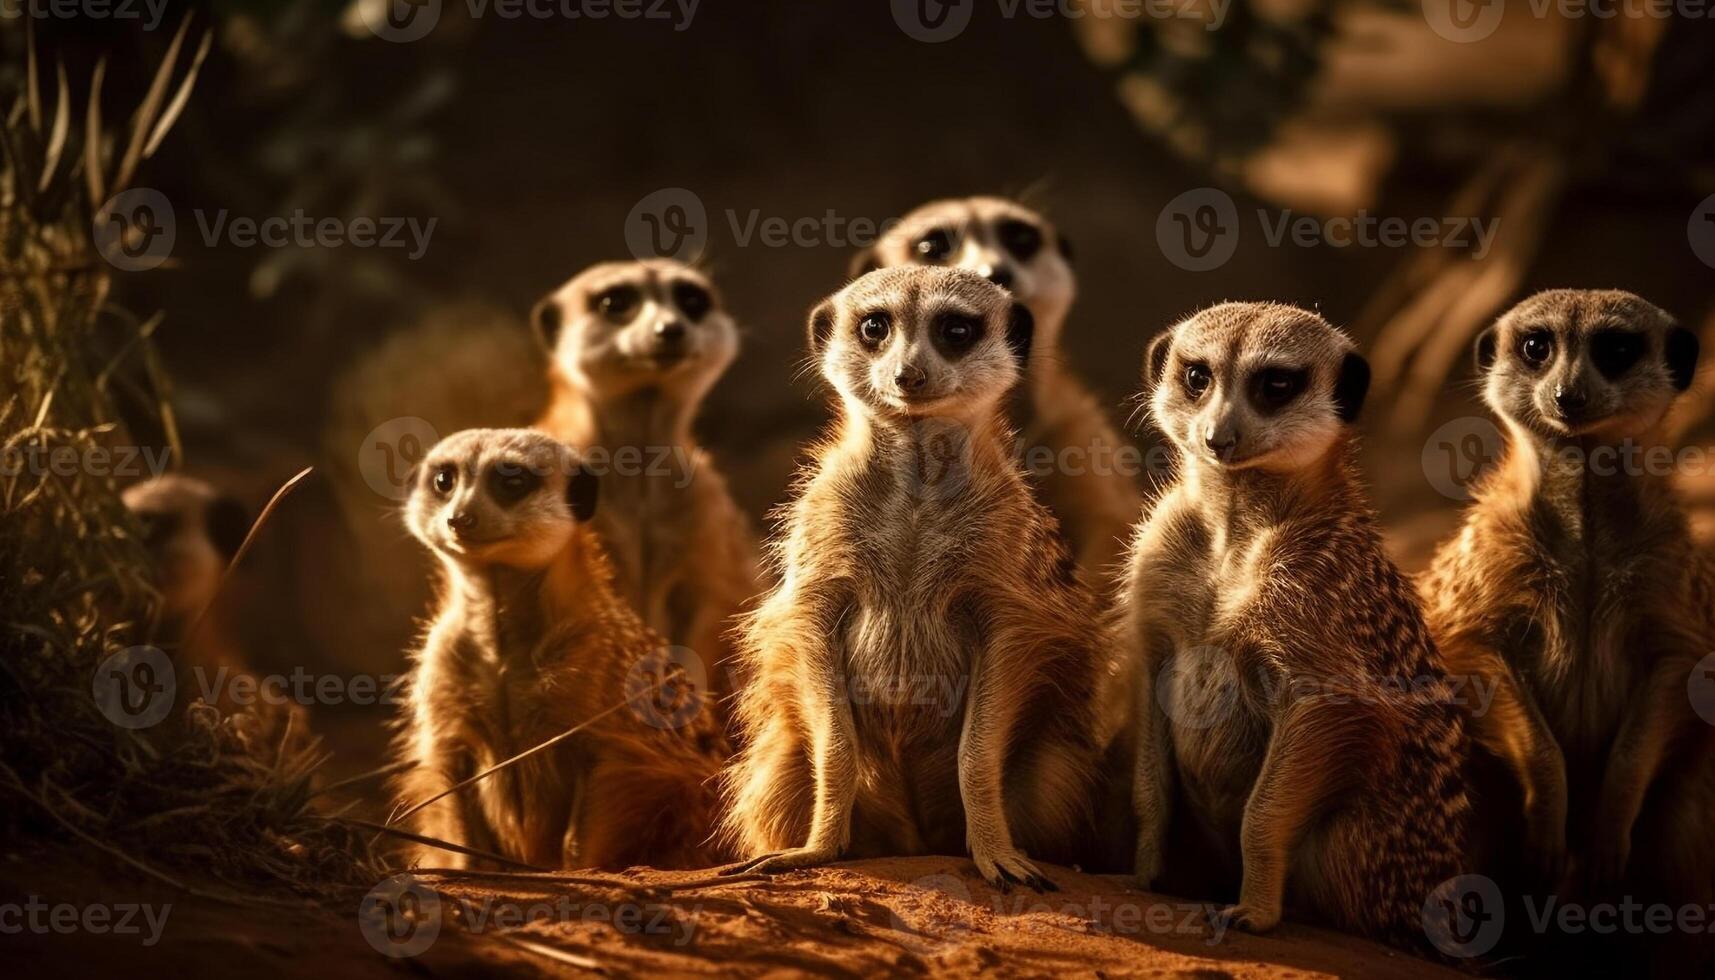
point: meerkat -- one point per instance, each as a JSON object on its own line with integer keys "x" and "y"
{"x": 1076, "y": 459}
{"x": 1288, "y": 693}
{"x": 635, "y": 347}
{"x": 191, "y": 533}
{"x": 1575, "y": 587}
{"x": 530, "y": 639}
{"x": 922, "y": 677}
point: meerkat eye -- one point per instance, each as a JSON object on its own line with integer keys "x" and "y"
{"x": 1536, "y": 347}
{"x": 692, "y": 300}
{"x": 1276, "y": 387}
{"x": 444, "y": 479}
{"x": 512, "y": 482}
{"x": 1615, "y": 351}
{"x": 1197, "y": 378}
{"x": 1021, "y": 238}
{"x": 873, "y": 329}
{"x": 935, "y": 246}
{"x": 619, "y": 304}
{"x": 956, "y": 331}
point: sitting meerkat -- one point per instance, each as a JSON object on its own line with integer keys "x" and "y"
{"x": 1287, "y": 690}
{"x": 530, "y": 639}
{"x": 635, "y": 346}
{"x": 922, "y": 678}
{"x": 1575, "y": 586}
{"x": 1071, "y": 450}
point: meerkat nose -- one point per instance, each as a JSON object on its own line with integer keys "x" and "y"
{"x": 1221, "y": 443}
{"x": 910, "y": 379}
{"x": 671, "y": 331}
{"x": 462, "y": 521}
{"x": 1569, "y": 399}
{"x": 999, "y": 275}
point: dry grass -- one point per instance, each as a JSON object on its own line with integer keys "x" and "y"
{"x": 217, "y": 805}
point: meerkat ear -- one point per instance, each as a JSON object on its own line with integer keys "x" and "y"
{"x": 1020, "y": 330}
{"x": 227, "y": 523}
{"x": 863, "y": 263}
{"x": 1681, "y": 350}
{"x": 545, "y": 318}
{"x": 582, "y": 489}
{"x": 1155, "y": 359}
{"x": 1351, "y": 387}
{"x": 821, "y": 326}
{"x": 1485, "y": 350}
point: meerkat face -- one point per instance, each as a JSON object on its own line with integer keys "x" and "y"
{"x": 622, "y": 327}
{"x": 1578, "y": 362}
{"x": 1255, "y": 385}
{"x": 500, "y": 496}
{"x": 191, "y": 533}
{"x": 1002, "y": 241}
{"x": 915, "y": 342}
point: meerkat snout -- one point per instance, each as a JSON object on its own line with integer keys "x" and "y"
{"x": 1569, "y": 363}
{"x": 910, "y": 341}
{"x": 1255, "y": 385}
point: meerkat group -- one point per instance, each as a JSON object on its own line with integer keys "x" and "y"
{"x": 945, "y": 650}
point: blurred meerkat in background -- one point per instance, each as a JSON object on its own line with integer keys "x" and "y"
{"x": 634, "y": 348}
{"x": 191, "y": 532}
{"x": 914, "y": 551}
{"x": 1071, "y": 450}
{"x": 1575, "y": 587}
{"x": 1287, "y": 692}
{"x": 529, "y": 639}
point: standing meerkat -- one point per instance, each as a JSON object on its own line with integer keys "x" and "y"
{"x": 529, "y": 639}
{"x": 1077, "y": 461}
{"x": 635, "y": 346}
{"x": 922, "y": 677}
{"x": 1574, "y": 585}
{"x": 1287, "y": 690}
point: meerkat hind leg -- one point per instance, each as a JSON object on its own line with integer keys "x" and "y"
{"x": 833, "y": 751}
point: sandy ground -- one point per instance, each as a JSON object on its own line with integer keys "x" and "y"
{"x": 898, "y": 917}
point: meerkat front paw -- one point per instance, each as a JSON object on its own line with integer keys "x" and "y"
{"x": 1009, "y": 868}
{"x": 798, "y": 857}
{"x": 1245, "y": 917}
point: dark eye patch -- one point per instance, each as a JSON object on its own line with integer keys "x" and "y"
{"x": 1021, "y": 238}
{"x": 159, "y": 526}
{"x": 1535, "y": 347}
{"x": 956, "y": 333}
{"x": 510, "y": 482}
{"x": 1274, "y": 388}
{"x": 1614, "y": 351}
{"x": 444, "y": 479}
{"x": 873, "y": 329}
{"x": 618, "y": 304}
{"x": 934, "y": 246}
{"x": 692, "y": 300}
